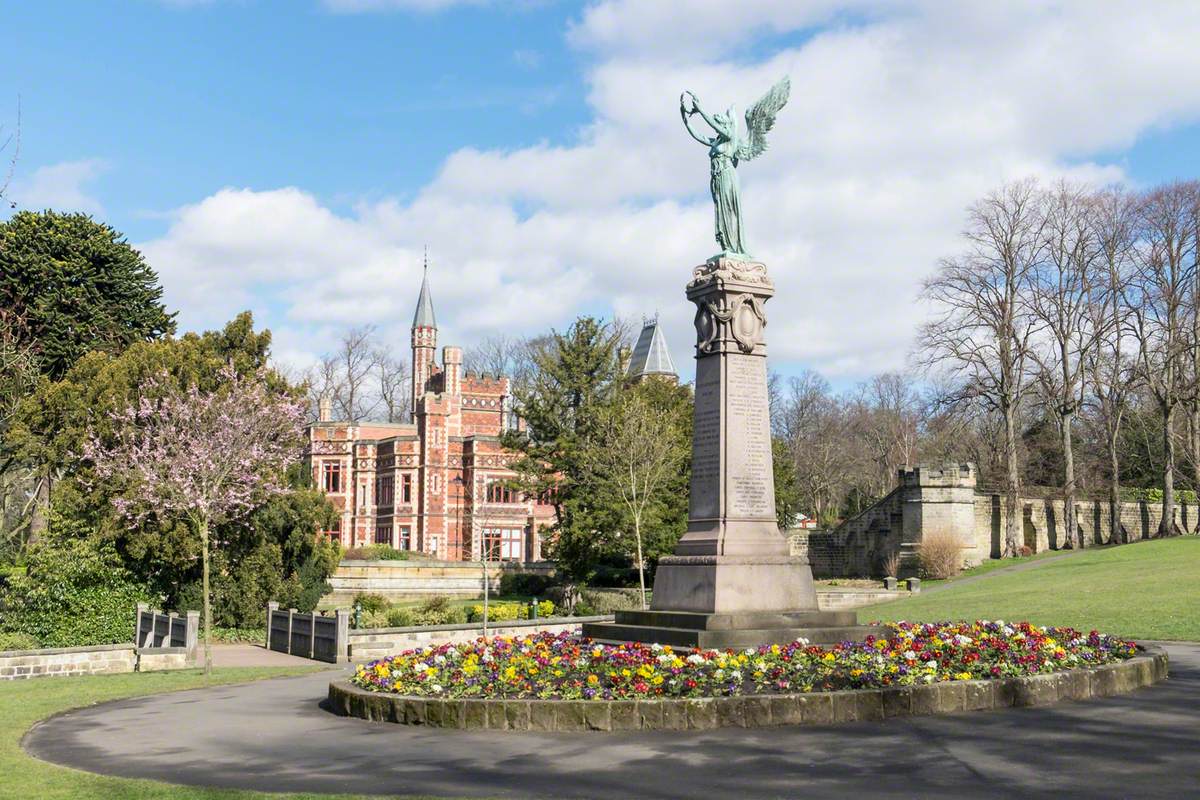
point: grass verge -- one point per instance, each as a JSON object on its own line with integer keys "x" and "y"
{"x": 23, "y": 703}
{"x": 1145, "y": 590}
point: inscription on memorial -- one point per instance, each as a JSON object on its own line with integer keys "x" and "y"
{"x": 749, "y": 480}
{"x": 706, "y": 442}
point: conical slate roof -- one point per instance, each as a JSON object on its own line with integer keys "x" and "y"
{"x": 424, "y": 317}
{"x": 650, "y": 354}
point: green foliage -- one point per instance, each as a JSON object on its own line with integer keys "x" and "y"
{"x": 239, "y": 635}
{"x": 371, "y": 603}
{"x": 399, "y": 618}
{"x": 75, "y": 593}
{"x": 501, "y": 611}
{"x": 376, "y": 552}
{"x": 18, "y": 641}
{"x": 273, "y": 554}
{"x": 78, "y": 286}
{"x": 575, "y": 386}
{"x": 787, "y": 487}
{"x": 606, "y": 601}
{"x": 524, "y": 583}
{"x": 575, "y": 374}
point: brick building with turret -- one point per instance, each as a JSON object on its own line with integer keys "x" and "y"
{"x": 435, "y": 485}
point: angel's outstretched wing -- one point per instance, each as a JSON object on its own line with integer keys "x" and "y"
{"x": 760, "y": 118}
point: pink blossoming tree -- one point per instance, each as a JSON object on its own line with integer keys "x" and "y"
{"x": 203, "y": 456}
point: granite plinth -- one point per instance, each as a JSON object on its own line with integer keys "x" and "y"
{"x": 732, "y": 630}
{"x": 730, "y": 584}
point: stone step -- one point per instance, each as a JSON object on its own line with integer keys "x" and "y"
{"x": 616, "y": 633}
{"x": 754, "y": 620}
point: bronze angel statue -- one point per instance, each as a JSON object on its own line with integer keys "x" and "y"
{"x": 729, "y": 147}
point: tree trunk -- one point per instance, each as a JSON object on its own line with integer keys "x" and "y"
{"x": 1070, "y": 524}
{"x": 1166, "y": 525}
{"x": 1116, "y": 532}
{"x": 39, "y": 518}
{"x": 637, "y": 532}
{"x": 207, "y": 600}
{"x": 1012, "y": 486}
{"x": 1195, "y": 443}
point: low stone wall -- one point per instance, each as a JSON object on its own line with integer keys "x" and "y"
{"x": 841, "y": 599}
{"x": 400, "y": 579}
{"x": 96, "y": 660}
{"x": 104, "y": 659}
{"x": 371, "y": 643}
{"x": 752, "y": 711}
{"x": 158, "y": 659}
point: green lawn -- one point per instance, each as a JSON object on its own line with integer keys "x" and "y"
{"x": 993, "y": 564}
{"x": 22, "y": 703}
{"x": 1146, "y": 590}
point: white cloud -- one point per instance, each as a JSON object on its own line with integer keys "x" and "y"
{"x": 899, "y": 117}
{"x": 62, "y": 187}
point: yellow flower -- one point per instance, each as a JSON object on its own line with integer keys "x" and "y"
{"x": 775, "y": 649}
{"x": 963, "y": 676}
{"x": 830, "y": 657}
{"x": 593, "y": 679}
{"x": 657, "y": 680}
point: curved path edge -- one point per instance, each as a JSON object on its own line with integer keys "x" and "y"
{"x": 752, "y": 711}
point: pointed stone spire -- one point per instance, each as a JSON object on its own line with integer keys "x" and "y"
{"x": 651, "y": 356}
{"x": 424, "y": 317}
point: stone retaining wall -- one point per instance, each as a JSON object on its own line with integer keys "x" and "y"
{"x": 106, "y": 659}
{"x": 372, "y": 643}
{"x": 96, "y": 660}
{"x": 402, "y": 579}
{"x": 752, "y": 711}
{"x": 842, "y": 599}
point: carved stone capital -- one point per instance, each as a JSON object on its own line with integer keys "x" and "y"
{"x": 724, "y": 269}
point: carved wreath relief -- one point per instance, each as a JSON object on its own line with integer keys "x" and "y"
{"x": 742, "y": 318}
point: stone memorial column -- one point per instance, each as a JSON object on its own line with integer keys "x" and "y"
{"x": 733, "y": 557}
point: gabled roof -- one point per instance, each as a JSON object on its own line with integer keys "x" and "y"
{"x": 424, "y": 317}
{"x": 651, "y": 355}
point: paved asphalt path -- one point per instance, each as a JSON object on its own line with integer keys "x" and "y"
{"x": 276, "y": 736}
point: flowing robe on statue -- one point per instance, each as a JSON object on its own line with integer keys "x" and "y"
{"x": 726, "y": 199}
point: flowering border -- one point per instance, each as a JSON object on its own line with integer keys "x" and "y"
{"x": 753, "y": 711}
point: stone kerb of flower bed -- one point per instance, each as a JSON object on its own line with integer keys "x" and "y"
{"x": 923, "y": 669}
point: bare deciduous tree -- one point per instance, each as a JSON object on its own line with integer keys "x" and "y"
{"x": 983, "y": 324}
{"x": 392, "y": 382}
{"x": 1109, "y": 368}
{"x": 13, "y": 141}
{"x": 1064, "y": 289}
{"x": 1158, "y": 298}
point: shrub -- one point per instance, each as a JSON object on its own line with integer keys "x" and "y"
{"x": 891, "y": 565}
{"x": 239, "y": 635}
{"x": 74, "y": 593}
{"x": 439, "y": 604}
{"x": 940, "y": 555}
{"x": 582, "y": 609}
{"x": 450, "y": 616}
{"x": 503, "y": 611}
{"x": 524, "y": 583}
{"x": 606, "y": 601}
{"x": 371, "y": 603}
{"x": 399, "y": 618}
{"x": 1024, "y": 550}
{"x": 18, "y": 641}
{"x": 375, "y": 552}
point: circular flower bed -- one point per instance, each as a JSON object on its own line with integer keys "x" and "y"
{"x": 568, "y": 667}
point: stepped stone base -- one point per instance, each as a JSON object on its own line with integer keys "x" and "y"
{"x": 731, "y": 630}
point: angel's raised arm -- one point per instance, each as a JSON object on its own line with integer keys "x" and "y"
{"x": 687, "y": 123}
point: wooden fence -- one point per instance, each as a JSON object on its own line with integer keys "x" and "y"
{"x": 312, "y": 636}
{"x": 156, "y": 630}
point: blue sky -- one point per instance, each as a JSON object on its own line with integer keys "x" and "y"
{"x": 295, "y": 157}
